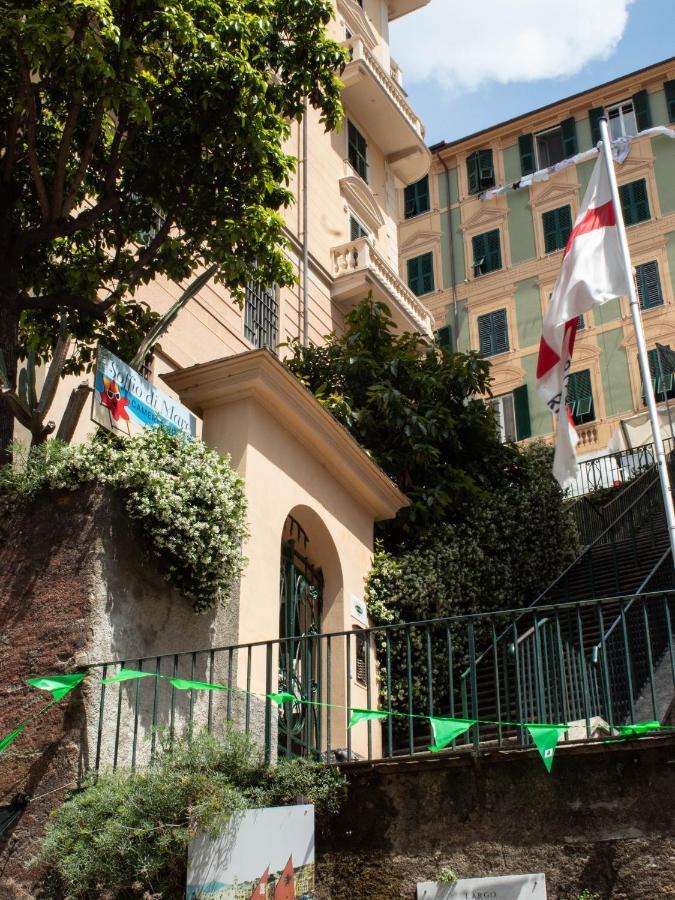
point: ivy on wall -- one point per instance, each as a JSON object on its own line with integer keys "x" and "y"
{"x": 185, "y": 496}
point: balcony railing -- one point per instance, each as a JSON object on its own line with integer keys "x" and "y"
{"x": 614, "y": 469}
{"x": 563, "y": 664}
{"x": 360, "y": 257}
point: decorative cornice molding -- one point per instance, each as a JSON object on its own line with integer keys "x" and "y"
{"x": 419, "y": 239}
{"x": 484, "y": 218}
{"x": 356, "y": 21}
{"x": 361, "y": 200}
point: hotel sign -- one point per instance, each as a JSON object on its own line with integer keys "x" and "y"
{"x": 125, "y": 403}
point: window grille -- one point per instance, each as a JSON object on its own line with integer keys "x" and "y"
{"x": 261, "y": 315}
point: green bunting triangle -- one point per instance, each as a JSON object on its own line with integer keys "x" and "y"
{"x": 127, "y": 675}
{"x": 281, "y": 698}
{"x": 58, "y": 685}
{"x": 184, "y": 685}
{"x": 7, "y": 740}
{"x": 546, "y": 738}
{"x": 363, "y": 715}
{"x": 638, "y": 728}
{"x": 446, "y": 730}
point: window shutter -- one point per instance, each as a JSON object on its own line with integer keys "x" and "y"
{"x": 486, "y": 173}
{"x": 500, "y": 331}
{"x": 643, "y": 115}
{"x": 526, "y": 147}
{"x": 409, "y": 201}
{"x": 522, "y": 411}
{"x": 594, "y": 117}
{"x": 423, "y": 201}
{"x": 494, "y": 253}
{"x": 565, "y": 224}
{"x": 472, "y": 173}
{"x": 485, "y": 334}
{"x": 669, "y": 88}
{"x": 649, "y": 284}
{"x": 413, "y": 275}
{"x": 550, "y": 223}
{"x": 580, "y": 396}
{"x": 416, "y": 198}
{"x": 568, "y": 130}
{"x": 444, "y": 338}
{"x": 427, "y": 265}
{"x": 634, "y": 201}
{"x": 479, "y": 253}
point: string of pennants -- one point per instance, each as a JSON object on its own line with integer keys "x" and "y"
{"x": 621, "y": 148}
{"x": 445, "y": 730}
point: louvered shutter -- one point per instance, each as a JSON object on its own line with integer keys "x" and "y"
{"x": 649, "y": 284}
{"x": 479, "y": 244}
{"x": 486, "y": 169}
{"x": 500, "y": 331}
{"x": 444, "y": 338}
{"x": 485, "y": 334}
{"x": 427, "y": 267}
{"x": 521, "y": 408}
{"x": 414, "y": 275}
{"x": 594, "y": 117}
{"x": 557, "y": 225}
{"x": 580, "y": 396}
{"x": 526, "y": 148}
{"x": 472, "y": 171}
{"x": 494, "y": 253}
{"x": 634, "y": 201}
{"x": 669, "y": 89}
{"x": 643, "y": 115}
{"x": 568, "y": 130}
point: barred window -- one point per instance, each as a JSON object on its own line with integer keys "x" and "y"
{"x": 261, "y": 315}
{"x": 361, "y": 673}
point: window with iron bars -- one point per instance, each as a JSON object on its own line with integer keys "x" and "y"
{"x": 261, "y": 315}
{"x": 361, "y": 673}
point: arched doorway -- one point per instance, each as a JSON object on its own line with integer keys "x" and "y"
{"x": 300, "y": 611}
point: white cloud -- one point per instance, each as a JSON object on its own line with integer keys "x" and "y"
{"x": 462, "y": 44}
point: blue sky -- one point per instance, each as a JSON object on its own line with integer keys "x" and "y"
{"x": 520, "y": 54}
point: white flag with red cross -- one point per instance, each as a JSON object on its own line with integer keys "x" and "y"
{"x": 592, "y": 273}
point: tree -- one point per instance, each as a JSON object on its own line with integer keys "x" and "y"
{"x": 413, "y": 409}
{"x": 142, "y": 138}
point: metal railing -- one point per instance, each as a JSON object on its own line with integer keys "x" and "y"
{"x": 614, "y": 469}
{"x": 556, "y": 663}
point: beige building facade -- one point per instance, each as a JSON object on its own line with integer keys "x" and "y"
{"x": 485, "y": 261}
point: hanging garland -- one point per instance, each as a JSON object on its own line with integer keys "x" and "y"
{"x": 445, "y": 730}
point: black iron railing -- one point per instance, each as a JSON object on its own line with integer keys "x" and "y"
{"x": 614, "y": 469}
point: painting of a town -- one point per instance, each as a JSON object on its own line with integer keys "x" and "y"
{"x": 263, "y": 854}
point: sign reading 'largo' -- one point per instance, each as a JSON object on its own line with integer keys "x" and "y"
{"x": 126, "y": 403}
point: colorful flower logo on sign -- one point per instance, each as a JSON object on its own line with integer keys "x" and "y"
{"x": 111, "y": 397}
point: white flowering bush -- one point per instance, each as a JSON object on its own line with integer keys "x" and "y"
{"x": 185, "y": 496}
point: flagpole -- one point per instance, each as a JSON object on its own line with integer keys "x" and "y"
{"x": 606, "y": 150}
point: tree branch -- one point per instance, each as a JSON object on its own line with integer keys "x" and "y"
{"x": 85, "y": 159}
{"x": 56, "y": 301}
{"x": 31, "y": 139}
{"x": 33, "y": 237}
{"x": 62, "y": 155}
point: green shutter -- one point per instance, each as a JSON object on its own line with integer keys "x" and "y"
{"x": 634, "y": 201}
{"x": 557, "y": 224}
{"x": 421, "y": 274}
{"x": 444, "y": 338}
{"x": 521, "y": 408}
{"x": 669, "y": 89}
{"x": 413, "y": 276}
{"x": 500, "y": 331}
{"x": 486, "y": 169}
{"x": 594, "y": 117}
{"x": 494, "y": 253}
{"x": 487, "y": 255}
{"x": 526, "y": 147}
{"x": 427, "y": 264}
{"x": 661, "y": 370}
{"x": 580, "y": 397}
{"x": 568, "y": 130}
{"x": 358, "y": 150}
{"x": 472, "y": 173}
{"x": 649, "y": 284}
{"x": 643, "y": 115}
{"x": 416, "y": 198}
{"x": 479, "y": 245}
{"x": 485, "y": 334}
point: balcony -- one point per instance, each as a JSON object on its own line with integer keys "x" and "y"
{"x": 398, "y": 8}
{"x": 375, "y": 99}
{"x": 359, "y": 269}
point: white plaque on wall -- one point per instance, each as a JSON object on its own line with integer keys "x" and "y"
{"x": 359, "y": 611}
{"x": 501, "y": 887}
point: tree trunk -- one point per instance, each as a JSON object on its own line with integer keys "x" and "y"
{"x": 9, "y": 340}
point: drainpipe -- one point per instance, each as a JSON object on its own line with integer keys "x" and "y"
{"x": 305, "y": 235}
{"x": 451, "y": 250}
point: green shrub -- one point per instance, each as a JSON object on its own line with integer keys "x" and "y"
{"x": 187, "y": 499}
{"x": 127, "y": 832}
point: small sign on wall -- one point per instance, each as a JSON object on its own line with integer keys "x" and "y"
{"x": 499, "y": 887}
{"x": 359, "y": 611}
{"x": 125, "y": 403}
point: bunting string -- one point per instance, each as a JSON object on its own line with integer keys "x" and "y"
{"x": 445, "y": 730}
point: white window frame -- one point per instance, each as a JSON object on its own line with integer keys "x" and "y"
{"x": 497, "y": 404}
{"x": 617, "y": 108}
{"x": 352, "y": 215}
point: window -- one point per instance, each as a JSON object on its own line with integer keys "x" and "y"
{"x": 580, "y": 397}
{"x": 555, "y": 144}
{"x": 357, "y": 151}
{"x": 662, "y": 369}
{"x": 622, "y": 121}
{"x": 487, "y": 255}
{"x": 361, "y": 662}
{"x": 356, "y": 229}
{"x": 648, "y": 285}
{"x": 557, "y": 228}
{"x": 669, "y": 89}
{"x": 421, "y": 274}
{"x": 261, "y": 315}
{"x": 147, "y": 367}
{"x": 416, "y": 198}
{"x": 512, "y": 415}
{"x": 480, "y": 171}
{"x": 493, "y": 333}
{"x": 581, "y": 324}
{"x": 444, "y": 338}
{"x": 634, "y": 201}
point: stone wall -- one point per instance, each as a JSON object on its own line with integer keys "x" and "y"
{"x": 602, "y": 821}
{"x": 76, "y": 589}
